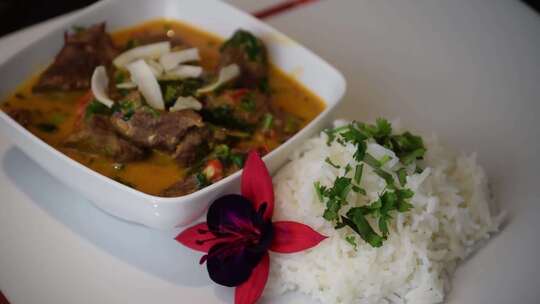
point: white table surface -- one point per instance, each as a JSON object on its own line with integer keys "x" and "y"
{"x": 416, "y": 59}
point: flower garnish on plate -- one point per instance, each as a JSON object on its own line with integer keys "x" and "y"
{"x": 239, "y": 232}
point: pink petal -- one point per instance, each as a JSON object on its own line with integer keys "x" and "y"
{"x": 251, "y": 290}
{"x": 290, "y": 237}
{"x": 190, "y": 236}
{"x": 257, "y": 184}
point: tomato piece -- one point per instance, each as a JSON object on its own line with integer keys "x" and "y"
{"x": 81, "y": 106}
{"x": 238, "y": 93}
{"x": 213, "y": 170}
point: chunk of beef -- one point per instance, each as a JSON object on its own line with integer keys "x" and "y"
{"x": 188, "y": 150}
{"x": 22, "y": 116}
{"x": 183, "y": 187}
{"x": 151, "y": 129}
{"x": 250, "y": 54}
{"x": 97, "y": 136}
{"x": 73, "y": 66}
{"x": 234, "y": 108}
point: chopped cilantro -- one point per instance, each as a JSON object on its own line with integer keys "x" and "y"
{"x": 357, "y": 221}
{"x": 402, "y": 176}
{"x": 407, "y": 147}
{"x": 248, "y": 43}
{"x": 358, "y": 173}
{"x": 238, "y": 160}
{"x": 319, "y": 190}
{"x": 120, "y": 76}
{"x": 357, "y": 189}
{"x": 267, "y": 121}
{"x": 329, "y": 161}
{"x": 403, "y": 195}
{"x": 222, "y": 152}
{"x": 371, "y": 161}
{"x": 351, "y": 239}
{"x": 202, "y": 181}
{"x": 248, "y": 103}
{"x": 125, "y": 107}
{"x": 384, "y": 160}
{"x": 331, "y": 136}
{"x": 336, "y": 197}
{"x": 386, "y": 176}
{"x": 155, "y": 113}
{"x": 170, "y": 94}
{"x": 96, "y": 107}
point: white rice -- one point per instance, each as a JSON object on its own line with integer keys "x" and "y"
{"x": 451, "y": 215}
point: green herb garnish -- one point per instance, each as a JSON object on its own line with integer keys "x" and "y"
{"x": 238, "y": 160}
{"x": 402, "y": 176}
{"x": 248, "y": 43}
{"x": 267, "y": 121}
{"x": 202, "y": 181}
{"x": 351, "y": 239}
{"x": 96, "y": 107}
{"x": 248, "y": 103}
{"x": 358, "y": 173}
{"x": 407, "y": 147}
{"x": 329, "y": 161}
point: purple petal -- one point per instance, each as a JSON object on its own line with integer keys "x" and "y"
{"x": 231, "y": 214}
{"x": 230, "y": 265}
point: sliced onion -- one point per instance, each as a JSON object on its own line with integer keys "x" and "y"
{"x": 100, "y": 84}
{"x": 142, "y": 76}
{"x": 183, "y": 72}
{"x": 226, "y": 74}
{"x": 156, "y": 68}
{"x": 126, "y": 85}
{"x": 171, "y": 60}
{"x": 149, "y": 51}
{"x": 184, "y": 103}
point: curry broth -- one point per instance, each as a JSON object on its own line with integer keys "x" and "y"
{"x": 159, "y": 170}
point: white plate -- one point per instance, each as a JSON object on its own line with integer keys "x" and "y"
{"x": 465, "y": 69}
{"x": 125, "y": 202}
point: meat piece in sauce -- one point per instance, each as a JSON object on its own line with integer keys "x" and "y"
{"x": 237, "y": 107}
{"x": 250, "y": 54}
{"x": 73, "y": 66}
{"x": 188, "y": 150}
{"x": 21, "y": 116}
{"x": 151, "y": 129}
{"x": 188, "y": 185}
{"x": 98, "y": 136}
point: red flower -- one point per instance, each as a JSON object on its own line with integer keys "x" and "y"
{"x": 239, "y": 232}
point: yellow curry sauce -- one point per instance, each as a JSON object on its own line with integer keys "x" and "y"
{"x": 159, "y": 170}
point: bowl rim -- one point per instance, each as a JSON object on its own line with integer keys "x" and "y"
{"x": 155, "y": 199}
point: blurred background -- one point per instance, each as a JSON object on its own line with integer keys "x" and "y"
{"x": 17, "y": 14}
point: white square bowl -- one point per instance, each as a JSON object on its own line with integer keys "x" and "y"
{"x": 210, "y": 15}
